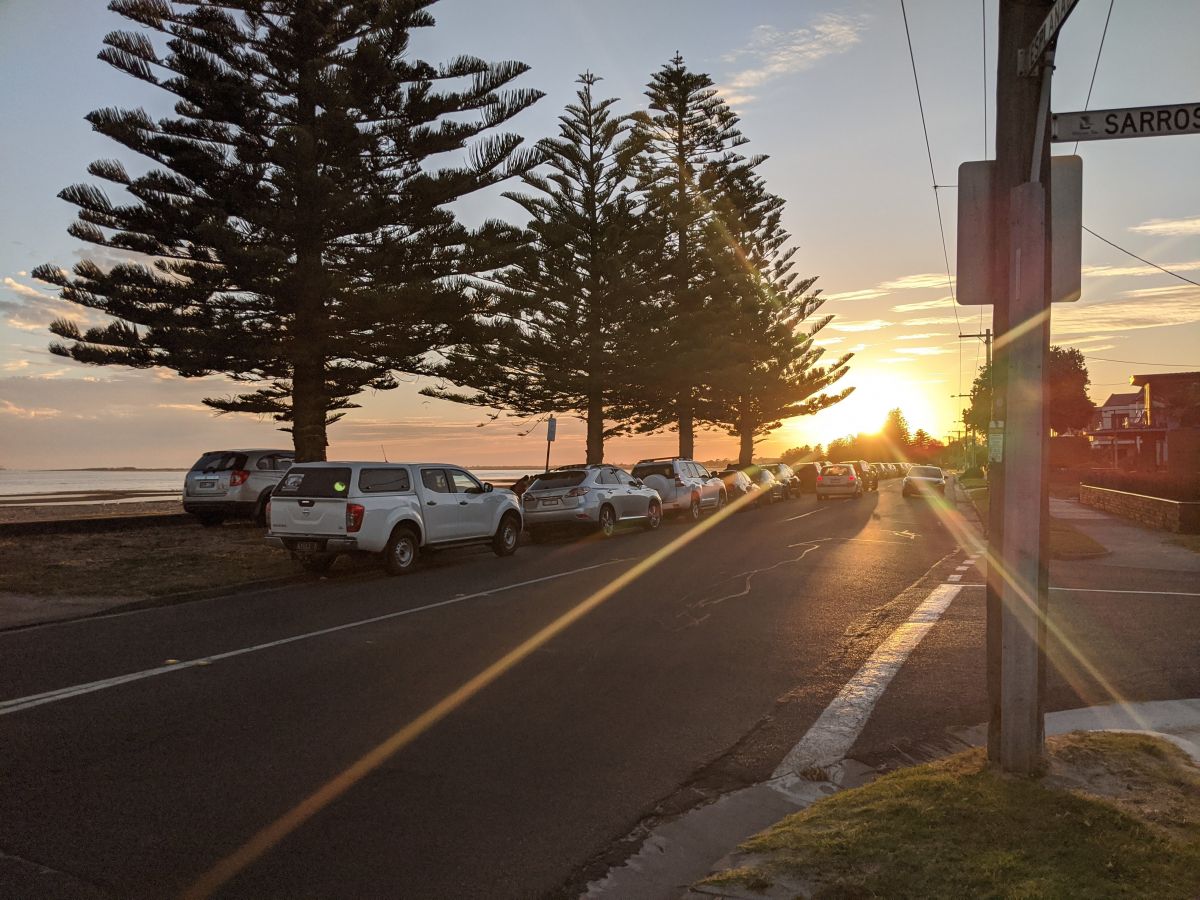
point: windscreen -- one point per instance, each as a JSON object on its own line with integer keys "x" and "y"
{"x": 220, "y": 461}
{"x": 925, "y": 472}
{"x": 323, "y": 481}
{"x": 554, "y": 480}
{"x": 647, "y": 469}
{"x": 836, "y": 470}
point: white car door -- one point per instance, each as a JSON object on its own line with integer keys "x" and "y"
{"x": 474, "y": 508}
{"x": 439, "y": 507}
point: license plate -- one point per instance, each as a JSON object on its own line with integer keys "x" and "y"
{"x": 550, "y": 501}
{"x": 308, "y": 546}
{"x": 208, "y": 484}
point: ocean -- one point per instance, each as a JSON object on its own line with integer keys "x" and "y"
{"x": 73, "y": 486}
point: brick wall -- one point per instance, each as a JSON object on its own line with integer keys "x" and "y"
{"x": 1166, "y": 515}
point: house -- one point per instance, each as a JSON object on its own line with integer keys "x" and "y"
{"x": 1135, "y": 428}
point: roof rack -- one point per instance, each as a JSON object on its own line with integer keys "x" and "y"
{"x": 660, "y": 459}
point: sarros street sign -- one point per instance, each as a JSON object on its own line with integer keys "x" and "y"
{"x": 1138, "y": 121}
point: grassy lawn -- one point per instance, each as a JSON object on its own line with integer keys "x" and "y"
{"x": 140, "y": 562}
{"x": 1115, "y": 815}
{"x": 1066, "y": 541}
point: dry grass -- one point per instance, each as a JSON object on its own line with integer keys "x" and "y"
{"x": 1115, "y": 815}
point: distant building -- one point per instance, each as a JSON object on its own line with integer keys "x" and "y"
{"x": 1134, "y": 428}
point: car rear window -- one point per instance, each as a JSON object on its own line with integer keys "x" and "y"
{"x": 220, "y": 461}
{"x": 325, "y": 481}
{"x": 925, "y": 472}
{"x": 552, "y": 480}
{"x": 383, "y": 481}
{"x": 836, "y": 470}
{"x": 666, "y": 470}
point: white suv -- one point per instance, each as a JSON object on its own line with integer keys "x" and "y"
{"x": 321, "y": 510}
{"x": 684, "y": 485}
{"x": 225, "y": 483}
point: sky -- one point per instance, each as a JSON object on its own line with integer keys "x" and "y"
{"x": 824, "y": 89}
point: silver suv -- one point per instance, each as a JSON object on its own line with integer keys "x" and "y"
{"x": 595, "y": 496}
{"x": 233, "y": 483}
{"x": 684, "y": 485}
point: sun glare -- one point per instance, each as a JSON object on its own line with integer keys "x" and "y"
{"x": 865, "y": 410}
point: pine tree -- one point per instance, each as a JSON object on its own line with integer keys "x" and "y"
{"x": 689, "y": 138}
{"x": 556, "y": 335}
{"x": 768, "y": 362}
{"x": 300, "y": 237}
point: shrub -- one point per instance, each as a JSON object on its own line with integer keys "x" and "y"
{"x": 1152, "y": 484}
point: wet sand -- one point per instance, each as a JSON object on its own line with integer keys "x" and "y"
{"x": 94, "y": 505}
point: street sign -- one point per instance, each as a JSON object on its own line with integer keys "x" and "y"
{"x": 1138, "y": 121}
{"x": 978, "y": 230}
{"x": 551, "y": 428}
{"x": 1028, "y": 60}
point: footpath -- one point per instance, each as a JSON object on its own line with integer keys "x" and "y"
{"x": 1122, "y": 651}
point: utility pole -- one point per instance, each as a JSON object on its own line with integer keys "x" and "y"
{"x": 1018, "y": 514}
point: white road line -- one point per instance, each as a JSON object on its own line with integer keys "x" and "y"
{"x": 804, "y": 515}
{"x": 19, "y": 704}
{"x": 1087, "y": 590}
{"x": 838, "y": 727}
{"x": 954, "y": 578}
{"x": 962, "y": 568}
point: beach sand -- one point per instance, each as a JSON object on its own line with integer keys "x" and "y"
{"x": 100, "y": 505}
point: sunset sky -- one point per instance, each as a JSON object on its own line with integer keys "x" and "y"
{"x": 825, "y": 89}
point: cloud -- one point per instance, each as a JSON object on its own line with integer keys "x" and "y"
{"x": 930, "y": 320}
{"x": 1126, "y": 315}
{"x": 36, "y": 308}
{"x": 897, "y": 359}
{"x": 923, "y": 304}
{"x": 867, "y": 294}
{"x": 24, "y": 290}
{"x": 868, "y": 325}
{"x": 1169, "y": 227}
{"x": 828, "y": 341}
{"x": 923, "y": 351}
{"x": 922, "y": 336}
{"x": 8, "y": 408}
{"x": 1124, "y": 271}
{"x": 916, "y": 282}
{"x": 774, "y": 53}
{"x": 857, "y": 348}
{"x": 1169, "y": 290}
{"x": 15, "y": 366}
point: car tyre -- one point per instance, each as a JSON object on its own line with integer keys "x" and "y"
{"x": 402, "y": 552}
{"x": 654, "y": 516}
{"x": 722, "y": 501}
{"x": 694, "y": 508}
{"x": 260, "y": 510}
{"x": 607, "y": 521}
{"x": 508, "y": 536}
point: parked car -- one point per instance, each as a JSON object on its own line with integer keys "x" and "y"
{"x": 321, "y": 510}
{"x": 684, "y": 485}
{"x": 924, "y": 480}
{"x": 867, "y": 475}
{"x": 233, "y": 484}
{"x": 738, "y": 485}
{"x": 595, "y": 496}
{"x": 839, "y": 480}
{"x": 786, "y": 476}
{"x": 806, "y": 474}
{"x": 771, "y": 489}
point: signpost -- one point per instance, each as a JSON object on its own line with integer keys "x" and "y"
{"x": 551, "y": 428}
{"x": 1137, "y": 121}
{"x": 1027, "y": 62}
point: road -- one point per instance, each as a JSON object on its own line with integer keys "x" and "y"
{"x": 718, "y": 648}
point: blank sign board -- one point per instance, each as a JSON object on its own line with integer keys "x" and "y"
{"x": 978, "y": 278}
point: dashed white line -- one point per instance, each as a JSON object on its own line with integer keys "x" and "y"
{"x": 955, "y": 578}
{"x": 19, "y": 704}
{"x": 812, "y": 512}
{"x": 838, "y": 727}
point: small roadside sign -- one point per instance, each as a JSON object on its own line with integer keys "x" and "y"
{"x": 551, "y": 428}
{"x": 1137, "y": 121}
{"x": 1027, "y": 64}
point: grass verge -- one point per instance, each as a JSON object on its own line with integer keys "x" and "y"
{"x": 1115, "y": 815}
{"x": 1066, "y": 541}
{"x": 139, "y": 563}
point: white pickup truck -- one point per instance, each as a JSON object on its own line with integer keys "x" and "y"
{"x": 323, "y": 509}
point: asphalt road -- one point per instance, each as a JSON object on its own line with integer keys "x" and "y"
{"x": 693, "y": 678}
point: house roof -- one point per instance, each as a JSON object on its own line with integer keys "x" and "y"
{"x": 1134, "y": 399}
{"x": 1165, "y": 378}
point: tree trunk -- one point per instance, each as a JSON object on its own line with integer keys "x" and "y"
{"x": 595, "y": 428}
{"x": 746, "y": 434}
{"x": 686, "y": 438}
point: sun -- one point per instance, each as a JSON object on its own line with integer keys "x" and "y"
{"x": 864, "y": 411}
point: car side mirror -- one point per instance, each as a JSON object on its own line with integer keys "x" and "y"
{"x": 637, "y": 482}
{"x": 487, "y": 487}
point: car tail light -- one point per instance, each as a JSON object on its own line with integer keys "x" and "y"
{"x": 238, "y": 476}
{"x": 820, "y": 478}
{"x": 354, "y": 517}
{"x": 577, "y": 492}
{"x": 851, "y": 479}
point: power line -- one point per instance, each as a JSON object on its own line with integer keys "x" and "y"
{"x": 1096, "y": 67}
{"x": 933, "y": 175}
{"x": 1139, "y": 258}
{"x": 1135, "y": 362}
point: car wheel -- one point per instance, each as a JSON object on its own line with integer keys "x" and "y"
{"x": 210, "y": 520}
{"x": 318, "y": 563}
{"x": 821, "y": 498}
{"x": 607, "y": 521}
{"x": 507, "y": 536}
{"x": 694, "y": 509}
{"x": 722, "y": 501}
{"x": 402, "y": 552}
{"x": 653, "y": 516}
{"x": 260, "y": 510}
